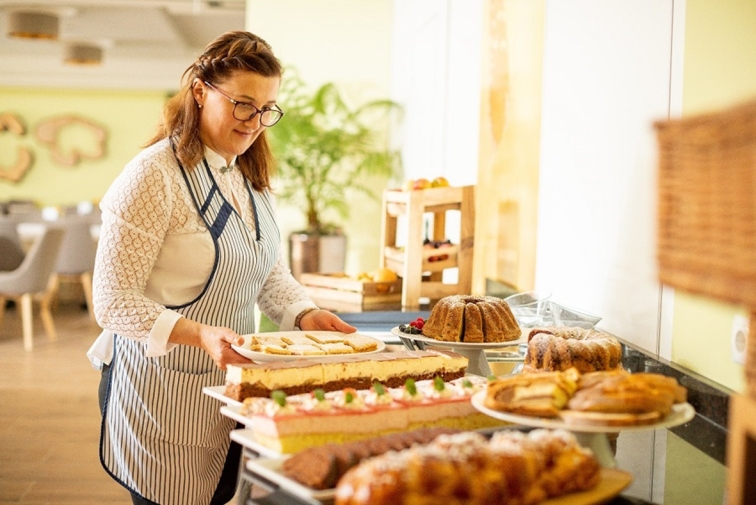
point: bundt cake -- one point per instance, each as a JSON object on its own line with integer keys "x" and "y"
{"x": 471, "y": 319}
{"x": 561, "y": 347}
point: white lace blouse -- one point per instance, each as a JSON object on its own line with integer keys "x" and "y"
{"x": 155, "y": 251}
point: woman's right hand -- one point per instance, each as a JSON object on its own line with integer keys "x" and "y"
{"x": 215, "y": 340}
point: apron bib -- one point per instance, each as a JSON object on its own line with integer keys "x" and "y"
{"x": 161, "y": 436}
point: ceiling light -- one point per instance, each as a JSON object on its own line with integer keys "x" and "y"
{"x": 33, "y": 25}
{"x": 80, "y": 53}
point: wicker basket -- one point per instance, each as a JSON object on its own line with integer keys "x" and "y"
{"x": 707, "y": 209}
{"x": 707, "y": 204}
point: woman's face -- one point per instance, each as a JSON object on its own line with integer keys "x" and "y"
{"x": 219, "y": 130}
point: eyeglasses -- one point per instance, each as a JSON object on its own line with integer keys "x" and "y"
{"x": 244, "y": 111}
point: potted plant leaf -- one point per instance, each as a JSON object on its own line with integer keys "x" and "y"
{"x": 327, "y": 150}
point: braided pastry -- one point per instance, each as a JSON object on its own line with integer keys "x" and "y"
{"x": 513, "y": 469}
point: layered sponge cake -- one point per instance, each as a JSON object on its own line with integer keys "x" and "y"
{"x": 472, "y": 319}
{"x": 297, "y": 422}
{"x": 356, "y": 371}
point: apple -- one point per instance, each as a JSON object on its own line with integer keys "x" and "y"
{"x": 422, "y": 183}
{"x": 439, "y": 182}
{"x": 409, "y": 185}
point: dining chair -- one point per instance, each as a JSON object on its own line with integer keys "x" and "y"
{"x": 11, "y": 252}
{"x": 76, "y": 258}
{"x": 31, "y": 278}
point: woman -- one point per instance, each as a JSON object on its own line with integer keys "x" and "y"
{"x": 188, "y": 245}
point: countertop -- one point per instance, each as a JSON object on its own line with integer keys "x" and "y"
{"x": 680, "y": 465}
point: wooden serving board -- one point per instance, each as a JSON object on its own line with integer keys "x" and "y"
{"x": 612, "y": 483}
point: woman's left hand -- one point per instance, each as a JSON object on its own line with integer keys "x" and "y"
{"x": 325, "y": 321}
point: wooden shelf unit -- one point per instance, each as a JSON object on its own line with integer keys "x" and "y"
{"x": 419, "y": 267}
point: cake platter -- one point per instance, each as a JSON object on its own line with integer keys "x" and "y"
{"x": 474, "y": 352}
{"x": 245, "y": 350}
{"x": 246, "y": 438}
{"x": 235, "y": 412}
{"x": 219, "y": 393}
{"x": 592, "y": 436}
{"x": 612, "y": 482}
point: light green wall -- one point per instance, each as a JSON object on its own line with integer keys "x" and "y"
{"x": 344, "y": 42}
{"x": 719, "y": 71}
{"x": 129, "y": 118}
{"x": 682, "y": 480}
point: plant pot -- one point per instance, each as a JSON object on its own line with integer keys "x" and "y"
{"x": 315, "y": 253}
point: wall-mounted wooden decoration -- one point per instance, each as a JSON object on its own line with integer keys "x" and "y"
{"x": 92, "y": 140}
{"x": 12, "y": 123}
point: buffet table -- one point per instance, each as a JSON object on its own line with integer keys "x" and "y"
{"x": 682, "y": 464}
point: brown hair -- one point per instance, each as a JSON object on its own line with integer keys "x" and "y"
{"x": 231, "y": 52}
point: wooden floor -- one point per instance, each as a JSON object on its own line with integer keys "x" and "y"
{"x": 49, "y": 418}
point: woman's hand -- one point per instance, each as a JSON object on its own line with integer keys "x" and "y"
{"x": 326, "y": 321}
{"x": 215, "y": 340}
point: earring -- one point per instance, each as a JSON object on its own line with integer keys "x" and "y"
{"x": 199, "y": 105}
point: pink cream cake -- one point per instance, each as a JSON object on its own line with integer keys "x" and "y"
{"x": 293, "y": 423}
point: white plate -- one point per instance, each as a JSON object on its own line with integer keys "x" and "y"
{"x": 681, "y": 414}
{"x": 219, "y": 393}
{"x": 261, "y": 356}
{"x": 271, "y": 470}
{"x": 457, "y": 345}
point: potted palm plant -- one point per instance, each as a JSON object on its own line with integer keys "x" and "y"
{"x": 327, "y": 150}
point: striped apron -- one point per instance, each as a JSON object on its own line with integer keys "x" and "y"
{"x": 161, "y": 437}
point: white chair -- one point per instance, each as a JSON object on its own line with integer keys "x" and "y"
{"x": 30, "y": 278}
{"x": 76, "y": 258}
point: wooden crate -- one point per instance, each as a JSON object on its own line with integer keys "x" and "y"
{"x": 419, "y": 267}
{"x": 341, "y": 293}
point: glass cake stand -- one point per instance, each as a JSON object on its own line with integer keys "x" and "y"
{"x": 475, "y": 353}
{"x": 593, "y": 437}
